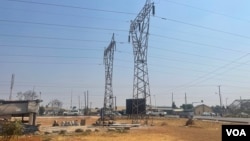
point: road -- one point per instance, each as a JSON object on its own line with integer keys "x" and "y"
{"x": 226, "y": 119}
{"x": 215, "y": 118}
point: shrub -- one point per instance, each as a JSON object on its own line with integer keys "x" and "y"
{"x": 79, "y": 130}
{"x": 63, "y": 132}
{"x": 164, "y": 124}
{"x": 11, "y": 130}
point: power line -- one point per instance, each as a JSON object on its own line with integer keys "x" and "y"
{"x": 190, "y": 54}
{"x": 39, "y": 63}
{"x": 81, "y": 57}
{"x": 164, "y": 18}
{"x": 130, "y": 68}
{"x": 98, "y": 28}
{"x": 211, "y": 72}
{"x": 173, "y": 20}
{"x": 178, "y": 68}
{"x": 50, "y": 38}
{"x": 49, "y": 47}
{"x": 61, "y": 25}
{"x": 197, "y": 43}
{"x": 54, "y": 38}
{"x": 64, "y": 14}
{"x": 204, "y": 27}
{"x": 71, "y": 39}
{"x": 100, "y": 49}
{"x": 75, "y": 7}
{"x": 206, "y": 10}
{"x": 49, "y": 56}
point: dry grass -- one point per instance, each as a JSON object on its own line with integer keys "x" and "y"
{"x": 169, "y": 129}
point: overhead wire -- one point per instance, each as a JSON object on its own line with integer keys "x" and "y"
{"x": 75, "y": 7}
{"x": 208, "y": 28}
{"x": 204, "y": 27}
{"x": 204, "y": 77}
{"x": 120, "y": 12}
{"x": 61, "y": 25}
{"x": 81, "y": 57}
{"x": 198, "y": 43}
{"x": 54, "y": 38}
{"x": 98, "y": 28}
{"x": 207, "y": 10}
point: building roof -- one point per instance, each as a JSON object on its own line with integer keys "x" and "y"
{"x": 201, "y": 105}
{"x": 19, "y": 107}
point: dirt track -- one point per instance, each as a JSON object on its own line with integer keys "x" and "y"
{"x": 164, "y": 129}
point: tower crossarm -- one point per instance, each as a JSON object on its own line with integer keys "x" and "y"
{"x": 136, "y": 23}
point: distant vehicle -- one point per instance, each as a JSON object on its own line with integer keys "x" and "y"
{"x": 113, "y": 113}
{"x": 188, "y": 111}
{"x": 242, "y": 114}
{"x": 71, "y": 113}
{"x": 186, "y": 114}
{"x": 205, "y": 114}
{"x": 156, "y": 113}
{"x": 208, "y": 114}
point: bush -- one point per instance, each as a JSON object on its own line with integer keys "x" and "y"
{"x": 79, "y": 130}
{"x": 11, "y": 130}
{"x": 164, "y": 124}
{"x": 63, "y": 132}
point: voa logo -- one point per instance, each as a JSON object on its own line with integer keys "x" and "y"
{"x": 236, "y": 132}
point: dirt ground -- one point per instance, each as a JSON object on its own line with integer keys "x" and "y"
{"x": 163, "y": 129}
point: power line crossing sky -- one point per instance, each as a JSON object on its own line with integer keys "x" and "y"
{"x": 56, "y": 47}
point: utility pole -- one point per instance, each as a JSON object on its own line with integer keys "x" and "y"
{"x": 172, "y": 98}
{"x": 220, "y": 97}
{"x": 11, "y": 85}
{"x": 71, "y": 100}
{"x": 155, "y": 100}
{"x": 240, "y": 102}
{"x": 220, "y": 100}
{"x": 87, "y": 101}
{"x": 85, "y": 106}
{"x": 226, "y": 102}
{"x": 108, "y": 59}
{"x": 79, "y": 103}
{"x": 185, "y": 98}
{"x": 115, "y": 104}
{"x": 139, "y": 31}
{"x": 40, "y": 95}
{"x": 33, "y": 92}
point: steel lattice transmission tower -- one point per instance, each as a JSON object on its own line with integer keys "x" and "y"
{"x": 139, "y": 31}
{"x": 108, "y": 59}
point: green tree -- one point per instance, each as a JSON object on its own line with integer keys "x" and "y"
{"x": 187, "y": 106}
{"x": 173, "y": 105}
{"x": 28, "y": 95}
{"x": 41, "y": 110}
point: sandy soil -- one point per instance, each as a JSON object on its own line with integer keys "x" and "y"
{"x": 163, "y": 129}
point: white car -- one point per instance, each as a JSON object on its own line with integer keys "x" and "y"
{"x": 71, "y": 113}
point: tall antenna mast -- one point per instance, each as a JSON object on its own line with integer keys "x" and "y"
{"x": 139, "y": 31}
{"x": 108, "y": 59}
{"x": 11, "y": 85}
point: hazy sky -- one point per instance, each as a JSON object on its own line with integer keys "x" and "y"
{"x": 56, "y": 47}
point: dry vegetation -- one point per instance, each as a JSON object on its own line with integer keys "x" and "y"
{"x": 163, "y": 129}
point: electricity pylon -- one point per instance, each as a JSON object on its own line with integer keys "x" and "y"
{"x": 108, "y": 59}
{"x": 139, "y": 31}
